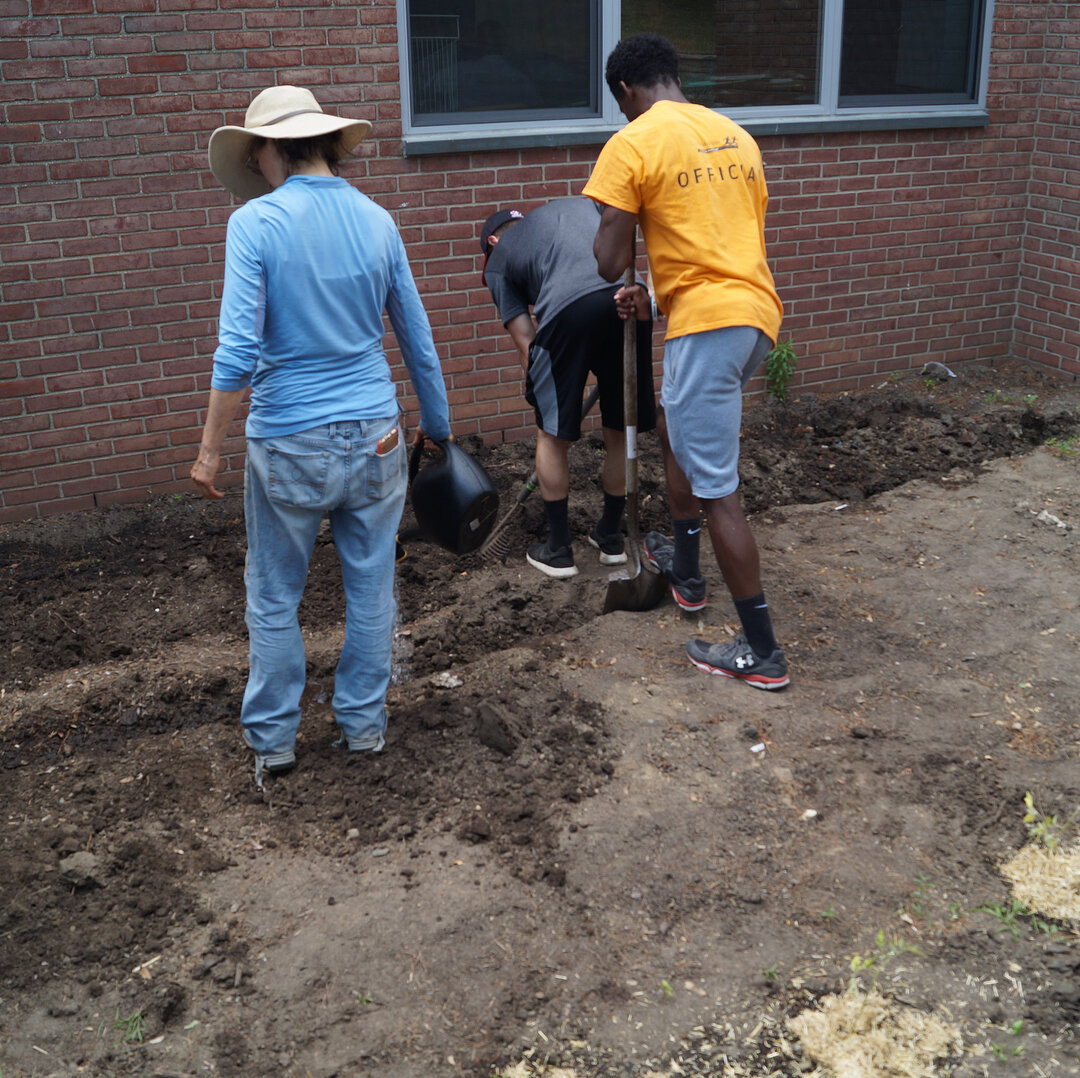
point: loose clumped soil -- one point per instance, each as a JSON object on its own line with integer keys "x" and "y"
{"x": 576, "y": 851}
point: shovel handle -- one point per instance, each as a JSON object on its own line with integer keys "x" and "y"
{"x": 630, "y": 411}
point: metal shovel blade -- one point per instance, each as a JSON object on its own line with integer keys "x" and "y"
{"x": 630, "y": 590}
{"x": 636, "y": 586}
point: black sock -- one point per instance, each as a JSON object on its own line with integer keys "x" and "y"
{"x": 558, "y": 514}
{"x": 685, "y": 563}
{"x": 611, "y": 521}
{"x": 757, "y": 625}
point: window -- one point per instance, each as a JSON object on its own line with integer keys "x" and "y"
{"x": 473, "y": 61}
{"x": 492, "y": 72}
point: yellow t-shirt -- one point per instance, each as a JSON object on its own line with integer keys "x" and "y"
{"x": 694, "y": 178}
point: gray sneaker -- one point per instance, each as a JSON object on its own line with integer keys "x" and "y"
{"x": 660, "y": 553}
{"x": 272, "y": 763}
{"x": 737, "y": 660}
{"x": 359, "y": 744}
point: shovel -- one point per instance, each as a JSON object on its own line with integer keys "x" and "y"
{"x": 637, "y": 585}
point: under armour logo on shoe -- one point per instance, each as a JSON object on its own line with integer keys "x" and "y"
{"x": 744, "y": 660}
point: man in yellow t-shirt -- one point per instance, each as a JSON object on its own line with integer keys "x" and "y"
{"x": 693, "y": 179}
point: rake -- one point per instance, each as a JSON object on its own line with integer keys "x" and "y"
{"x": 497, "y": 545}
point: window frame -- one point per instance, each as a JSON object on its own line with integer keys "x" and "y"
{"x": 827, "y": 114}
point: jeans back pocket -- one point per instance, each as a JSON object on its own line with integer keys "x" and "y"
{"x": 385, "y": 473}
{"x": 298, "y": 478}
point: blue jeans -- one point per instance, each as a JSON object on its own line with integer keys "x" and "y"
{"x": 290, "y": 482}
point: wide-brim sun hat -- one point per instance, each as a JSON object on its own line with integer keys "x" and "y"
{"x": 280, "y": 112}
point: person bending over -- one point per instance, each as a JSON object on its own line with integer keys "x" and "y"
{"x": 544, "y": 260}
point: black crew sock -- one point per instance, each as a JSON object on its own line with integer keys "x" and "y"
{"x": 558, "y": 514}
{"x": 757, "y": 625}
{"x": 685, "y": 564}
{"x": 611, "y": 521}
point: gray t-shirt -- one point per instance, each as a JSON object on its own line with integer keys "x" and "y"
{"x": 546, "y": 261}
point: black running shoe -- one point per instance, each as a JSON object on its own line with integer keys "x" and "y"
{"x": 737, "y": 660}
{"x": 611, "y": 547}
{"x": 660, "y": 553}
{"x": 558, "y": 563}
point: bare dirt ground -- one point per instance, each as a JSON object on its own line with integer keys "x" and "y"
{"x": 576, "y": 850}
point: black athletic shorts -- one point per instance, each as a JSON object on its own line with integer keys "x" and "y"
{"x": 587, "y": 336}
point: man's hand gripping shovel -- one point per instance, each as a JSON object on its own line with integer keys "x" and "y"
{"x": 636, "y": 585}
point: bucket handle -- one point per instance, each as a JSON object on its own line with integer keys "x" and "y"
{"x": 418, "y": 452}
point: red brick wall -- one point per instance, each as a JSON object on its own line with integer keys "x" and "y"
{"x": 1040, "y": 44}
{"x": 889, "y": 248}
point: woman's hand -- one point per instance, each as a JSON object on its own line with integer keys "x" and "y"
{"x": 203, "y": 471}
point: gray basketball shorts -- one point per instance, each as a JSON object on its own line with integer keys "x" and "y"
{"x": 701, "y": 394}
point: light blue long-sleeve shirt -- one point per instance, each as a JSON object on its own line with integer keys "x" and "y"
{"x": 309, "y": 270}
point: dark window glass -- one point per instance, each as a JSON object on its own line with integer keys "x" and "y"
{"x": 738, "y": 52}
{"x": 486, "y": 60}
{"x": 919, "y": 50}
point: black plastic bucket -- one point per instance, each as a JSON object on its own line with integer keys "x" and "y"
{"x": 453, "y": 498}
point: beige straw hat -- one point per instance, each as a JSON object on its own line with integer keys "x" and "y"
{"x": 279, "y": 112}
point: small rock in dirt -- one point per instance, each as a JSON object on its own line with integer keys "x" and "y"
{"x": 82, "y": 869}
{"x": 496, "y": 729}
{"x": 445, "y": 680}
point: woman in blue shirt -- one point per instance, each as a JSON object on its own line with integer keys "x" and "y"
{"x": 310, "y": 266}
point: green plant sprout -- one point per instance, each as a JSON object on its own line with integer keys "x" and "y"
{"x": 363, "y": 999}
{"x": 667, "y": 989}
{"x": 1002, "y": 1052}
{"x": 131, "y": 1027}
{"x": 1012, "y": 916}
{"x": 1049, "y": 830}
{"x": 888, "y": 948}
{"x": 923, "y": 886}
{"x": 779, "y": 367}
{"x": 1062, "y": 447}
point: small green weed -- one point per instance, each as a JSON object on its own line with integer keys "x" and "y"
{"x": 131, "y": 1027}
{"x": 667, "y": 989}
{"x": 923, "y": 888}
{"x": 1030, "y": 398}
{"x": 1063, "y": 447}
{"x": 888, "y": 948}
{"x": 1002, "y": 1054}
{"x": 1049, "y": 830}
{"x": 995, "y": 396}
{"x": 829, "y": 914}
{"x": 363, "y": 999}
{"x": 770, "y": 974}
{"x": 779, "y": 367}
{"x": 1013, "y": 916}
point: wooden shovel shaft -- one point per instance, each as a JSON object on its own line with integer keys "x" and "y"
{"x": 630, "y": 411}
